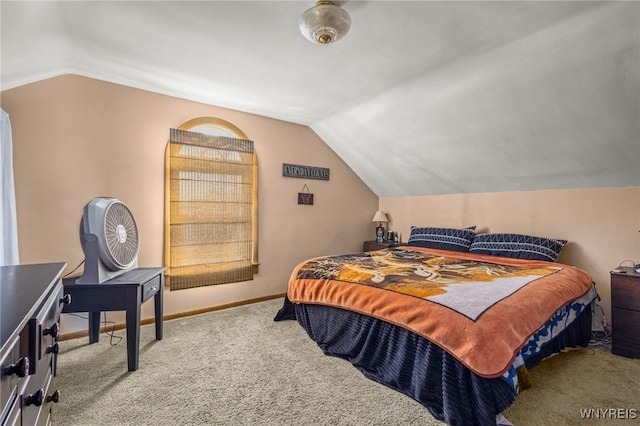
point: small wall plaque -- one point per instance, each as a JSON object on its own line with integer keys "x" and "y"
{"x": 305, "y": 172}
{"x": 305, "y": 198}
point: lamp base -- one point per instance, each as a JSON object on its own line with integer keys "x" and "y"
{"x": 380, "y": 233}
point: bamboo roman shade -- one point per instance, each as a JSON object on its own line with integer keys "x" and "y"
{"x": 211, "y": 210}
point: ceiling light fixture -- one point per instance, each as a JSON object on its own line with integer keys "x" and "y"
{"x": 324, "y": 23}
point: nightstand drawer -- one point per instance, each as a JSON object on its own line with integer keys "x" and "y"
{"x": 374, "y": 245}
{"x": 625, "y": 339}
{"x": 625, "y": 291}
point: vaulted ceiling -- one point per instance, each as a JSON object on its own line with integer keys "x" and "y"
{"x": 421, "y": 97}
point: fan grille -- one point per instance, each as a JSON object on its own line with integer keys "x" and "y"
{"x": 121, "y": 234}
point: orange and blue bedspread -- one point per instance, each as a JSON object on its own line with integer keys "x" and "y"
{"x": 483, "y": 310}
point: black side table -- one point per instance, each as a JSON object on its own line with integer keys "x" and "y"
{"x": 126, "y": 292}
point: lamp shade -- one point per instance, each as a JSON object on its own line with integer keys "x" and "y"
{"x": 324, "y": 23}
{"x": 379, "y": 217}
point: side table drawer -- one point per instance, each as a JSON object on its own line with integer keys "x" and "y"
{"x": 151, "y": 287}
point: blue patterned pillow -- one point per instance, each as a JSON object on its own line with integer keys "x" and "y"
{"x": 442, "y": 238}
{"x": 518, "y": 246}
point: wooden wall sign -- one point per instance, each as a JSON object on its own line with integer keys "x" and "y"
{"x": 305, "y": 198}
{"x": 305, "y": 172}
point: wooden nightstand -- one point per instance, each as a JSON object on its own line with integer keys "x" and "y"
{"x": 374, "y": 245}
{"x": 625, "y": 312}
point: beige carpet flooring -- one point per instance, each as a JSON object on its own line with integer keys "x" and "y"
{"x": 239, "y": 367}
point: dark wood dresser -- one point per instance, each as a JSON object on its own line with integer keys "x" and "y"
{"x": 30, "y": 305}
{"x": 625, "y": 312}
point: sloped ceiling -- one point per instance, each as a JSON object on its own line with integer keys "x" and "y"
{"x": 421, "y": 97}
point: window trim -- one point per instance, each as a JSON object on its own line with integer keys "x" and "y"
{"x": 213, "y": 122}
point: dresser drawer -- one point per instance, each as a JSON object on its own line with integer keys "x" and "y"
{"x": 36, "y": 400}
{"x": 14, "y": 416}
{"x": 11, "y": 368}
{"x": 44, "y": 329}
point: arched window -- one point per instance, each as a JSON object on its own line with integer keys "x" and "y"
{"x": 211, "y": 205}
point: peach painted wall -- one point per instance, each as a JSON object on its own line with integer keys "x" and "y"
{"x": 601, "y": 224}
{"x": 76, "y": 138}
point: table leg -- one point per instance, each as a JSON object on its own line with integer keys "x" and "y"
{"x": 94, "y": 327}
{"x": 133, "y": 300}
{"x": 157, "y": 300}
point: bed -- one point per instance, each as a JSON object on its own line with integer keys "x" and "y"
{"x": 452, "y": 319}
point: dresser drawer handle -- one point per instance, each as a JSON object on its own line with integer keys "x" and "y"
{"x": 54, "y": 397}
{"x": 52, "y": 331}
{"x": 20, "y": 368}
{"x": 55, "y": 348}
{"x": 36, "y": 398}
{"x": 66, "y": 299}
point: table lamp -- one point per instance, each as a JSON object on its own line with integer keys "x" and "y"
{"x": 380, "y": 217}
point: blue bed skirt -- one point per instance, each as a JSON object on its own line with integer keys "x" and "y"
{"x": 408, "y": 363}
